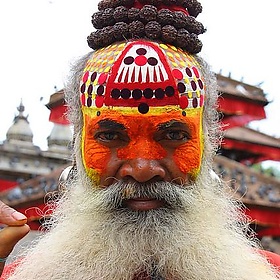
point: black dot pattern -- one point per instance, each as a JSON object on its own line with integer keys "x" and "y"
{"x": 100, "y": 90}
{"x": 181, "y": 87}
{"x": 128, "y": 60}
{"x": 141, "y": 51}
{"x": 189, "y": 72}
{"x": 83, "y": 88}
{"x": 136, "y": 94}
{"x": 169, "y": 91}
{"x": 143, "y": 108}
{"x": 193, "y": 85}
{"x": 90, "y": 89}
{"x": 152, "y": 61}
{"x": 125, "y": 93}
{"x": 195, "y": 102}
{"x": 93, "y": 76}
{"x": 89, "y": 101}
{"x": 116, "y": 93}
{"x": 148, "y": 93}
{"x": 159, "y": 93}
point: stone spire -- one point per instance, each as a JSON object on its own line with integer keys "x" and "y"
{"x": 60, "y": 138}
{"x": 20, "y": 129}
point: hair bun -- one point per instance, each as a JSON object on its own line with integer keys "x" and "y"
{"x": 169, "y": 21}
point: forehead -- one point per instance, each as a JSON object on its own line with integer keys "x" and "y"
{"x": 148, "y": 123}
{"x": 142, "y": 76}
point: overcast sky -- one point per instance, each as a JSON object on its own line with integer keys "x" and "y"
{"x": 40, "y": 38}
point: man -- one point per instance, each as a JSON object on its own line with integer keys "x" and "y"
{"x": 142, "y": 201}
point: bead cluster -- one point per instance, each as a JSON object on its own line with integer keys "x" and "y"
{"x": 154, "y": 20}
{"x": 193, "y": 6}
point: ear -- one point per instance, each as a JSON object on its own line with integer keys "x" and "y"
{"x": 68, "y": 174}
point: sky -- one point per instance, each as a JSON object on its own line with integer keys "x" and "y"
{"x": 40, "y": 39}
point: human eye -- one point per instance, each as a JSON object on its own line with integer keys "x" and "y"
{"x": 111, "y": 138}
{"x": 176, "y": 135}
{"x": 172, "y": 133}
{"x": 107, "y": 136}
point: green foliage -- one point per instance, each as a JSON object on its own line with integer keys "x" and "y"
{"x": 269, "y": 170}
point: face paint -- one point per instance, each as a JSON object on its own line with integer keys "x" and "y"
{"x": 141, "y": 85}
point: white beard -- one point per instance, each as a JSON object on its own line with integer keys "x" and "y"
{"x": 197, "y": 237}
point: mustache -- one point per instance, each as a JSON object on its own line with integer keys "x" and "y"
{"x": 172, "y": 194}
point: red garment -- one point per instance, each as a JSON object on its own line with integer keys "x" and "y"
{"x": 273, "y": 258}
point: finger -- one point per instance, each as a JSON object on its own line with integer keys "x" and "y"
{"x": 10, "y": 216}
{"x": 9, "y": 236}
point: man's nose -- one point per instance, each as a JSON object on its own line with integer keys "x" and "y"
{"x": 142, "y": 170}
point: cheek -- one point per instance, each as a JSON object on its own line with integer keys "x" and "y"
{"x": 95, "y": 157}
{"x": 188, "y": 156}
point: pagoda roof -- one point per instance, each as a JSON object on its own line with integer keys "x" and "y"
{"x": 239, "y": 103}
{"x": 251, "y": 145}
{"x": 249, "y": 185}
{"x": 260, "y": 194}
{"x": 58, "y": 108}
{"x": 240, "y": 90}
{"x": 33, "y": 191}
{"x": 56, "y": 99}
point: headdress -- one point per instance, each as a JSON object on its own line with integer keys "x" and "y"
{"x": 143, "y": 64}
{"x": 144, "y": 55}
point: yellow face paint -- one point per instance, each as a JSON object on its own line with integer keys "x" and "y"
{"x": 145, "y": 84}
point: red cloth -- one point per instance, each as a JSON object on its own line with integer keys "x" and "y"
{"x": 273, "y": 258}
{"x": 7, "y": 270}
{"x": 58, "y": 115}
{"x": 237, "y": 107}
{"x": 263, "y": 152}
{"x": 6, "y": 185}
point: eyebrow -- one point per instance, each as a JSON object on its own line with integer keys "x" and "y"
{"x": 172, "y": 124}
{"x": 110, "y": 124}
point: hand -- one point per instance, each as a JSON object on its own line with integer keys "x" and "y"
{"x": 16, "y": 229}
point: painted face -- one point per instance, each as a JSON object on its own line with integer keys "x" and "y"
{"x": 142, "y": 105}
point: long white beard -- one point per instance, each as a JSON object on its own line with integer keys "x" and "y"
{"x": 196, "y": 236}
